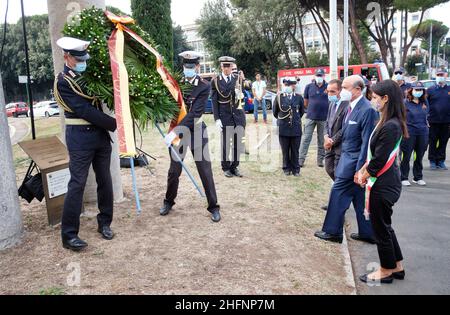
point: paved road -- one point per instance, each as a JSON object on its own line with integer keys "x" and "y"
{"x": 20, "y": 129}
{"x": 422, "y": 224}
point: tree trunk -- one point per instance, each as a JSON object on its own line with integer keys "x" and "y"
{"x": 407, "y": 46}
{"x": 10, "y": 215}
{"x": 356, "y": 37}
{"x": 60, "y": 12}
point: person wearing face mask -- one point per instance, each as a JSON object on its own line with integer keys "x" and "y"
{"x": 399, "y": 75}
{"x": 381, "y": 177}
{"x": 417, "y": 112}
{"x": 289, "y": 109}
{"x": 358, "y": 125}
{"x": 333, "y": 128}
{"x": 316, "y": 103}
{"x": 88, "y": 143}
{"x": 439, "y": 119}
{"x": 229, "y": 116}
{"x": 195, "y": 97}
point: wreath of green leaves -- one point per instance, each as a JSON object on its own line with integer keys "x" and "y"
{"x": 149, "y": 98}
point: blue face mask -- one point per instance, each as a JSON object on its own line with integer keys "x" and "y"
{"x": 399, "y": 77}
{"x": 417, "y": 94}
{"x": 80, "y": 67}
{"x": 287, "y": 90}
{"x": 440, "y": 80}
{"x": 333, "y": 99}
{"x": 189, "y": 73}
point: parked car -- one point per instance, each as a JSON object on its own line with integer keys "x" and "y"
{"x": 46, "y": 109}
{"x": 428, "y": 83}
{"x": 17, "y": 109}
{"x": 248, "y": 106}
{"x": 431, "y": 83}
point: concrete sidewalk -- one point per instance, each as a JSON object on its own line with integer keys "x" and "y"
{"x": 422, "y": 223}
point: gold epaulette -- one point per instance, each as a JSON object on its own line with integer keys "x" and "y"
{"x": 76, "y": 89}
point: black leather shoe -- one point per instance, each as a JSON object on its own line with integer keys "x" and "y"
{"x": 399, "y": 275}
{"x": 228, "y": 174}
{"x": 324, "y": 208}
{"x": 237, "y": 173}
{"x": 106, "y": 232}
{"x": 387, "y": 280}
{"x": 74, "y": 244}
{"x": 329, "y": 237}
{"x": 356, "y": 237}
{"x": 215, "y": 216}
{"x": 320, "y": 164}
{"x": 165, "y": 209}
{"x": 287, "y": 173}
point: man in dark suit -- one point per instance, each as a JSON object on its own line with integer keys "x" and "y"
{"x": 229, "y": 116}
{"x": 359, "y": 123}
{"x": 193, "y": 135}
{"x": 289, "y": 109}
{"x": 333, "y": 127}
{"x": 88, "y": 142}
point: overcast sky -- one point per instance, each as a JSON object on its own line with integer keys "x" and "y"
{"x": 183, "y": 11}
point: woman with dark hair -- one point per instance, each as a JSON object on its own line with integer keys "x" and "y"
{"x": 381, "y": 177}
{"x": 416, "y": 116}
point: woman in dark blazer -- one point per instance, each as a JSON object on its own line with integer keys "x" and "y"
{"x": 381, "y": 176}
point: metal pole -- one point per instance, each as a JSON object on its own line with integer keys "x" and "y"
{"x": 430, "y": 53}
{"x": 27, "y": 61}
{"x": 333, "y": 40}
{"x": 401, "y": 36}
{"x": 178, "y": 158}
{"x": 135, "y": 188}
{"x": 346, "y": 38}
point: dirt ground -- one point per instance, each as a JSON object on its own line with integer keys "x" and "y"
{"x": 263, "y": 245}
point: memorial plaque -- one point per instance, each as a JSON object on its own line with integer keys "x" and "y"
{"x": 52, "y": 159}
{"x": 57, "y": 183}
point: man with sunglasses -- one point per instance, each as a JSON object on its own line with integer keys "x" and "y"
{"x": 88, "y": 143}
{"x": 399, "y": 77}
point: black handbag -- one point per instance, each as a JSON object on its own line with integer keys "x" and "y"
{"x": 32, "y": 186}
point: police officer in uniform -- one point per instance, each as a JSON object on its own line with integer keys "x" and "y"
{"x": 88, "y": 143}
{"x": 193, "y": 134}
{"x": 289, "y": 109}
{"x": 229, "y": 115}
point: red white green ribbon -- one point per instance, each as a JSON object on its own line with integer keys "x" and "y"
{"x": 121, "y": 87}
{"x": 372, "y": 180}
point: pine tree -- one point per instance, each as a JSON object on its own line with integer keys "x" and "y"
{"x": 153, "y": 16}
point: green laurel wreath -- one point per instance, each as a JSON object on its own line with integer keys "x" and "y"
{"x": 149, "y": 98}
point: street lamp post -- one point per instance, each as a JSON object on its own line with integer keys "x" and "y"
{"x": 27, "y": 61}
{"x": 333, "y": 40}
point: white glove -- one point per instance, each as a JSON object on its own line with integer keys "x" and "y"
{"x": 169, "y": 138}
{"x": 219, "y": 124}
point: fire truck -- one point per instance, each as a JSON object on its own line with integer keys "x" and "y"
{"x": 305, "y": 76}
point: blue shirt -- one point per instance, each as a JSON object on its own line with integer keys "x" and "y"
{"x": 317, "y": 101}
{"x": 439, "y": 99}
{"x": 416, "y": 118}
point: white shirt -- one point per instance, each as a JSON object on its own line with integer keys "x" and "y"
{"x": 226, "y": 78}
{"x": 353, "y": 104}
{"x": 259, "y": 87}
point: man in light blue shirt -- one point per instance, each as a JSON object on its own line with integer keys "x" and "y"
{"x": 259, "y": 91}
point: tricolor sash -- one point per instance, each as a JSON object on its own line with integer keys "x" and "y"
{"x": 372, "y": 180}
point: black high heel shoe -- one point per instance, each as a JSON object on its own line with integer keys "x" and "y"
{"x": 399, "y": 275}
